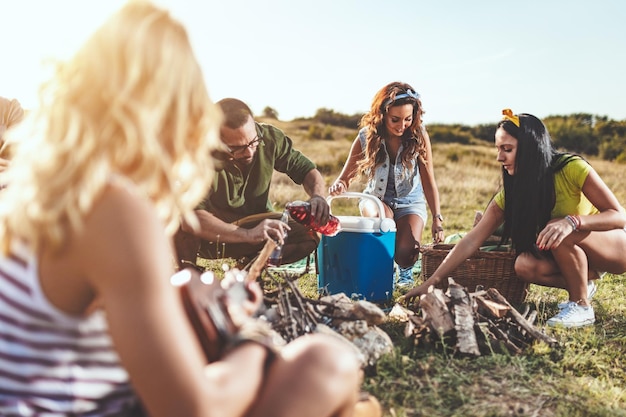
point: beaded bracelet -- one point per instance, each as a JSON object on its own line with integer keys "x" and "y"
{"x": 578, "y": 221}
{"x": 571, "y": 223}
{"x": 574, "y": 221}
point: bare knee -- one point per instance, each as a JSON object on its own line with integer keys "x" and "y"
{"x": 320, "y": 373}
{"x": 525, "y": 269}
{"x": 301, "y": 248}
{"x": 332, "y": 364}
{"x": 369, "y": 209}
{"x": 407, "y": 253}
{"x": 186, "y": 246}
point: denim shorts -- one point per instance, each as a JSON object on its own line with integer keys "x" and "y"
{"x": 417, "y": 208}
{"x": 402, "y": 210}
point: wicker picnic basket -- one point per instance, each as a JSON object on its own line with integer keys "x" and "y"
{"x": 484, "y": 269}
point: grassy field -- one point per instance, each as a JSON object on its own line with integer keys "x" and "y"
{"x": 583, "y": 376}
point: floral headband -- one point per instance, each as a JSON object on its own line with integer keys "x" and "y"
{"x": 508, "y": 115}
{"x": 409, "y": 94}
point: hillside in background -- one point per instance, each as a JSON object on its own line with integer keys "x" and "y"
{"x": 584, "y": 376}
{"x": 467, "y": 172}
{"x": 582, "y": 133}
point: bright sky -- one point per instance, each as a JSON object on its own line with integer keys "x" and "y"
{"x": 468, "y": 59}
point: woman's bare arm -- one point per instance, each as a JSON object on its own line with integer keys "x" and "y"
{"x": 127, "y": 259}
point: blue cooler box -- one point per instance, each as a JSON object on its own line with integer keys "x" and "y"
{"x": 358, "y": 261}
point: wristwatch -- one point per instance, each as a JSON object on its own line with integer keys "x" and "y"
{"x": 438, "y": 216}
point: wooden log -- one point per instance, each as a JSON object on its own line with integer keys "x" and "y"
{"x": 441, "y": 296}
{"x": 436, "y": 313}
{"x": 532, "y": 317}
{"x": 463, "y": 320}
{"x": 501, "y": 336}
{"x": 519, "y": 319}
{"x": 415, "y": 326}
{"x": 476, "y": 320}
{"x": 494, "y": 309}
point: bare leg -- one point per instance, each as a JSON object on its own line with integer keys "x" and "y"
{"x": 186, "y": 247}
{"x": 579, "y": 252}
{"x": 542, "y": 271}
{"x": 572, "y": 262}
{"x": 315, "y": 375}
{"x": 408, "y": 236}
{"x": 572, "y": 276}
{"x": 605, "y": 250}
{"x": 368, "y": 209}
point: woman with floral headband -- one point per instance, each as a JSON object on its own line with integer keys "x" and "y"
{"x": 563, "y": 220}
{"x": 393, "y": 152}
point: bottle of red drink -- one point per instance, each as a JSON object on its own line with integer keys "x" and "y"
{"x": 300, "y": 211}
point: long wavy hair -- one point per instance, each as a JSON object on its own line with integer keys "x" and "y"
{"x": 413, "y": 141}
{"x": 529, "y": 195}
{"x": 131, "y": 103}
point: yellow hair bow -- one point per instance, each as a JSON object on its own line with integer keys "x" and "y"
{"x": 508, "y": 115}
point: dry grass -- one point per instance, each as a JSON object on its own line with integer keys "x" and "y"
{"x": 583, "y": 376}
{"x": 467, "y": 175}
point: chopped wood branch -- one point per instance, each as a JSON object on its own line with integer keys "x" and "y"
{"x": 463, "y": 320}
{"x": 494, "y": 309}
{"x": 436, "y": 313}
{"x": 493, "y": 293}
{"x": 292, "y": 315}
{"x": 471, "y": 323}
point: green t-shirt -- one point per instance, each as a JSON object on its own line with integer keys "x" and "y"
{"x": 236, "y": 193}
{"x": 568, "y": 185}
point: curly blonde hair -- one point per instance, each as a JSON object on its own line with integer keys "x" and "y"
{"x": 131, "y": 103}
{"x": 413, "y": 140}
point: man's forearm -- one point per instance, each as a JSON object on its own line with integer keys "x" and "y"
{"x": 314, "y": 183}
{"x": 213, "y": 229}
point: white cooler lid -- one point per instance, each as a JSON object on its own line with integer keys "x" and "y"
{"x": 366, "y": 224}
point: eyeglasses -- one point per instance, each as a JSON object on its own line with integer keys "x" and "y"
{"x": 252, "y": 144}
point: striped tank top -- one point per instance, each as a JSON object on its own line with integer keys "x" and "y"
{"x": 51, "y": 363}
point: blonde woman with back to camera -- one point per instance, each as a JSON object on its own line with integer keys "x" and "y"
{"x": 94, "y": 196}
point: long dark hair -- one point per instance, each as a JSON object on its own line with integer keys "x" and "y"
{"x": 529, "y": 195}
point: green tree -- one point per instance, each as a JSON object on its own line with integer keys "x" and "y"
{"x": 270, "y": 113}
{"x": 449, "y": 133}
{"x": 573, "y": 133}
{"x": 612, "y": 138}
{"x": 330, "y": 117}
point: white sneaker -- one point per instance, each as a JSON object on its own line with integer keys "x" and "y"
{"x": 573, "y": 315}
{"x": 591, "y": 291}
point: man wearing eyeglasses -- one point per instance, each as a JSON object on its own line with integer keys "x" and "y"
{"x": 237, "y": 217}
{"x": 11, "y": 113}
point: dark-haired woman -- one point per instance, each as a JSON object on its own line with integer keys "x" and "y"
{"x": 565, "y": 224}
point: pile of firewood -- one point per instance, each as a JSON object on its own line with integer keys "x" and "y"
{"x": 472, "y": 324}
{"x": 292, "y": 315}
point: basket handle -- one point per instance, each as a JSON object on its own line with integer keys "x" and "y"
{"x": 450, "y": 246}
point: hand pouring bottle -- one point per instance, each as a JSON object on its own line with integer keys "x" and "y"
{"x": 300, "y": 211}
